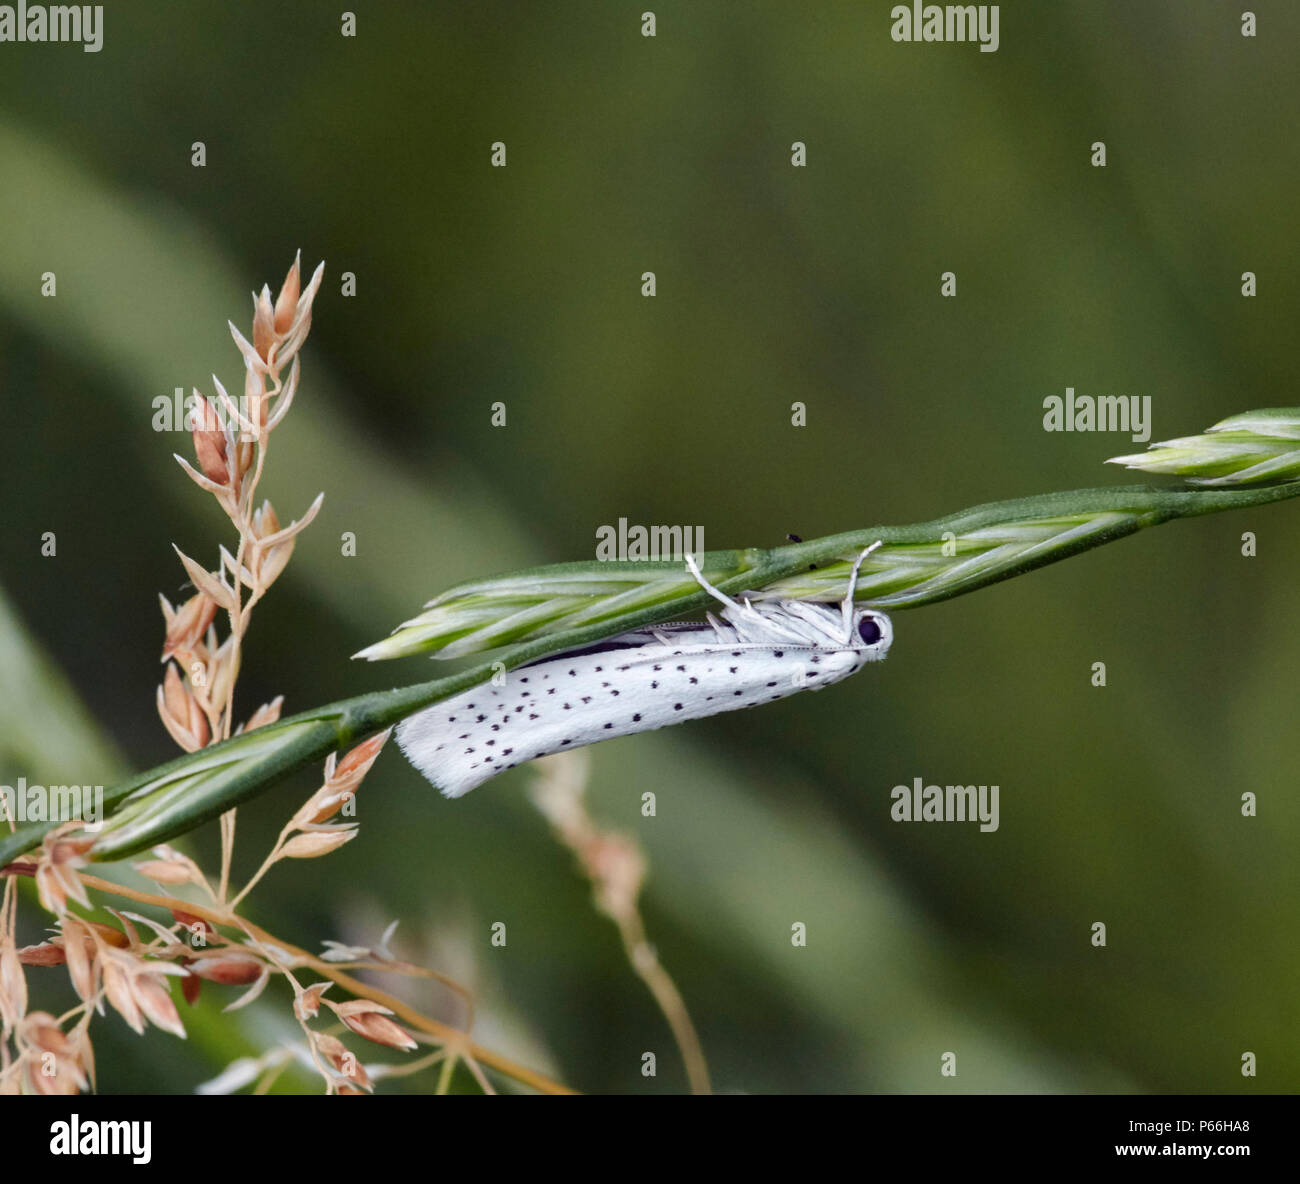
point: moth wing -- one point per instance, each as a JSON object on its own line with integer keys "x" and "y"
{"x": 561, "y": 702}
{"x": 580, "y": 698}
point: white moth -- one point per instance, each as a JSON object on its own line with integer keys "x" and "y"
{"x": 643, "y": 680}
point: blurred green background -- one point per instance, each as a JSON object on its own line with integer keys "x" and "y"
{"x": 774, "y": 285}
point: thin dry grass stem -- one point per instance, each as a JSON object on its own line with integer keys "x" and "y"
{"x": 477, "y": 1071}
{"x": 266, "y": 1082}
{"x": 379, "y": 1072}
{"x": 449, "y": 1062}
{"x": 309, "y": 834}
{"x": 126, "y": 967}
{"x": 616, "y": 867}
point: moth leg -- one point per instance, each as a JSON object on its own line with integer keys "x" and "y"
{"x": 847, "y": 606}
{"x": 694, "y": 569}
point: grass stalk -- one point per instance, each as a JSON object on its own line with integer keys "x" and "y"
{"x": 527, "y": 615}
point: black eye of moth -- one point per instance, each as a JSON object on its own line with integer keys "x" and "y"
{"x": 869, "y": 631}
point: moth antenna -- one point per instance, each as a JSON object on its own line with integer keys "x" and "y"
{"x": 694, "y": 569}
{"x": 847, "y": 606}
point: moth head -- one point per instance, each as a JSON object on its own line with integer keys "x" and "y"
{"x": 873, "y": 630}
